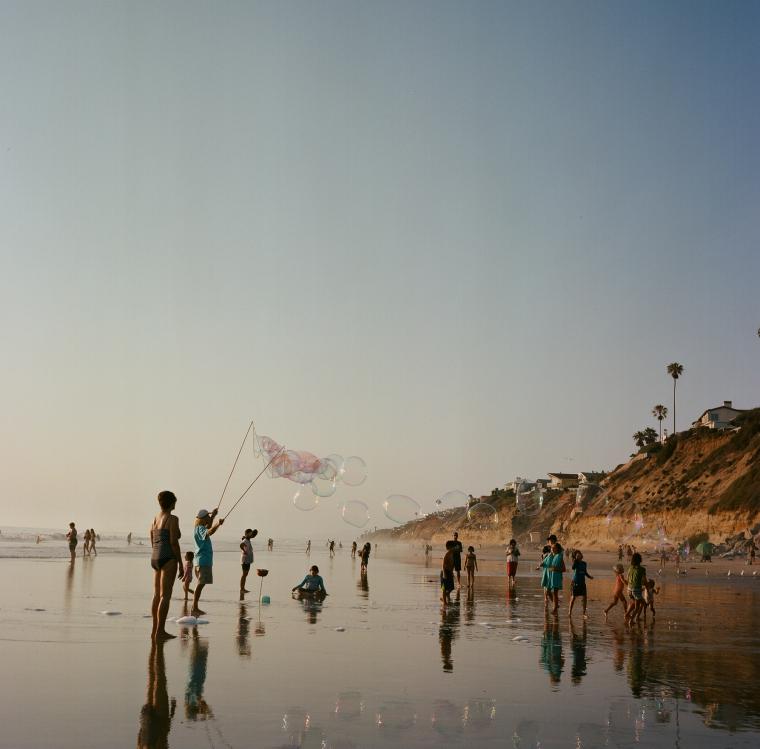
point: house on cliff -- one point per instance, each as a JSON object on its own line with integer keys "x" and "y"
{"x": 720, "y": 417}
{"x": 563, "y": 480}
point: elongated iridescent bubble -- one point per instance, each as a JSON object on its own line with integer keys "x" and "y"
{"x": 482, "y": 516}
{"x": 355, "y": 513}
{"x": 353, "y": 472}
{"x": 401, "y": 509}
{"x": 304, "y": 499}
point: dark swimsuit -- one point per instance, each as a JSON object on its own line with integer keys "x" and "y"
{"x": 162, "y": 548}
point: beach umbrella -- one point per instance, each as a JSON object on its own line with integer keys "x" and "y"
{"x": 705, "y": 548}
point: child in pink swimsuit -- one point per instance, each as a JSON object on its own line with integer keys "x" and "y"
{"x": 187, "y": 577}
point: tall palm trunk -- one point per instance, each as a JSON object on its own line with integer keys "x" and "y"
{"x": 674, "y": 404}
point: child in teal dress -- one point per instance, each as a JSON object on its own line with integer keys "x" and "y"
{"x": 554, "y": 566}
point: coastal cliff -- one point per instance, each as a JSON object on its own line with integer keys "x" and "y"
{"x": 701, "y": 484}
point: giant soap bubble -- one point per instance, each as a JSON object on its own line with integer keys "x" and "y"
{"x": 401, "y": 509}
{"x": 528, "y": 500}
{"x": 625, "y": 522}
{"x": 454, "y": 498}
{"x": 304, "y": 498}
{"x": 353, "y": 472}
{"x": 355, "y": 513}
{"x": 323, "y": 487}
{"x": 482, "y": 516}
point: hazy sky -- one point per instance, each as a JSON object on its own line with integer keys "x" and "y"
{"x": 460, "y": 240}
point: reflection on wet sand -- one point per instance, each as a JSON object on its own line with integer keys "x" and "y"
{"x": 157, "y": 712}
{"x": 552, "y": 659}
{"x": 196, "y": 707}
{"x": 363, "y": 584}
{"x": 312, "y": 608}
{"x": 578, "y": 644}
{"x": 68, "y": 587}
{"x": 448, "y": 630}
{"x": 243, "y": 632}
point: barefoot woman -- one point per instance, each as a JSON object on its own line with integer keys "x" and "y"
{"x": 166, "y": 561}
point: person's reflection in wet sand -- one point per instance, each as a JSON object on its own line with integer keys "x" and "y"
{"x": 312, "y": 608}
{"x": 618, "y": 653}
{"x": 68, "y": 588}
{"x": 639, "y": 658}
{"x": 363, "y": 585}
{"x": 469, "y": 609}
{"x": 552, "y": 658}
{"x": 243, "y": 632}
{"x": 448, "y": 630}
{"x": 196, "y": 708}
{"x": 578, "y": 645}
{"x": 157, "y": 712}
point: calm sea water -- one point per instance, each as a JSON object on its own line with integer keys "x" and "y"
{"x": 378, "y": 664}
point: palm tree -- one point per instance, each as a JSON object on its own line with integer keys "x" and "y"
{"x": 660, "y": 412}
{"x": 639, "y": 439}
{"x": 675, "y": 370}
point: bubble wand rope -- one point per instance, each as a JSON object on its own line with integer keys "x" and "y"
{"x": 253, "y": 482}
{"x": 242, "y": 445}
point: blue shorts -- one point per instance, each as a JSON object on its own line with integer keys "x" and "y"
{"x": 637, "y": 594}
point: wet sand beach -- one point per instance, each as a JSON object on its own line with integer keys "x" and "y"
{"x": 378, "y": 664}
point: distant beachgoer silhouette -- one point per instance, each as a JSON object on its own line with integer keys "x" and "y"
{"x": 72, "y": 539}
{"x": 93, "y": 537}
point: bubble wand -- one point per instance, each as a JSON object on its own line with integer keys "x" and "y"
{"x": 242, "y": 445}
{"x": 253, "y": 482}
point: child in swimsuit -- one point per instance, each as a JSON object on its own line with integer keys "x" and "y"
{"x": 187, "y": 574}
{"x": 617, "y": 591}
{"x": 578, "y": 584}
{"x": 470, "y": 566}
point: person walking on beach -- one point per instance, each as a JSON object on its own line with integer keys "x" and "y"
{"x": 447, "y": 572}
{"x": 93, "y": 550}
{"x": 554, "y": 564}
{"x": 470, "y": 566}
{"x": 246, "y": 556}
{"x": 204, "y": 553}
{"x": 637, "y": 581}
{"x": 332, "y": 549}
{"x": 364, "y": 554}
{"x": 618, "y": 593}
{"x": 457, "y": 549}
{"x": 353, "y": 550}
{"x": 86, "y": 542}
{"x": 166, "y": 561}
{"x": 578, "y": 583}
{"x": 308, "y": 547}
{"x": 71, "y": 536}
{"x": 513, "y": 555}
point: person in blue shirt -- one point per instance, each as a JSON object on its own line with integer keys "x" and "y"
{"x": 312, "y": 583}
{"x": 578, "y": 584}
{"x": 204, "y": 553}
{"x": 553, "y": 565}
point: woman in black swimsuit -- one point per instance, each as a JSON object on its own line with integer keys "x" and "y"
{"x": 166, "y": 560}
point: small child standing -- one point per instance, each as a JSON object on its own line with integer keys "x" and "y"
{"x": 246, "y": 556}
{"x": 447, "y": 572}
{"x": 513, "y": 556}
{"x": 578, "y": 583}
{"x": 470, "y": 566}
{"x": 617, "y": 591}
{"x": 637, "y": 581}
{"x": 187, "y": 574}
{"x": 649, "y": 593}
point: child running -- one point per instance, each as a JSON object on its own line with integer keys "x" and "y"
{"x": 246, "y": 556}
{"x": 187, "y": 574}
{"x": 637, "y": 581}
{"x": 312, "y": 583}
{"x": 617, "y": 591}
{"x": 471, "y": 566}
{"x": 513, "y": 556}
{"x": 578, "y": 583}
{"x": 447, "y": 572}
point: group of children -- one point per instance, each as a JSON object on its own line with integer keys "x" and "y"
{"x": 641, "y": 590}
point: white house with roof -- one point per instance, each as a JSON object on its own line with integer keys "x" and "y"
{"x": 563, "y": 480}
{"x": 719, "y": 417}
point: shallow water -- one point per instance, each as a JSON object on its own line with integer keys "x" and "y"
{"x": 403, "y": 673}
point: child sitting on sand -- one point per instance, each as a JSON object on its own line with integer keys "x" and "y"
{"x": 187, "y": 574}
{"x": 578, "y": 583}
{"x": 447, "y": 572}
{"x": 471, "y": 565}
{"x": 312, "y": 583}
{"x": 617, "y": 591}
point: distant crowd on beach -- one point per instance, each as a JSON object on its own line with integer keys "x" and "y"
{"x": 632, "y": 588}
